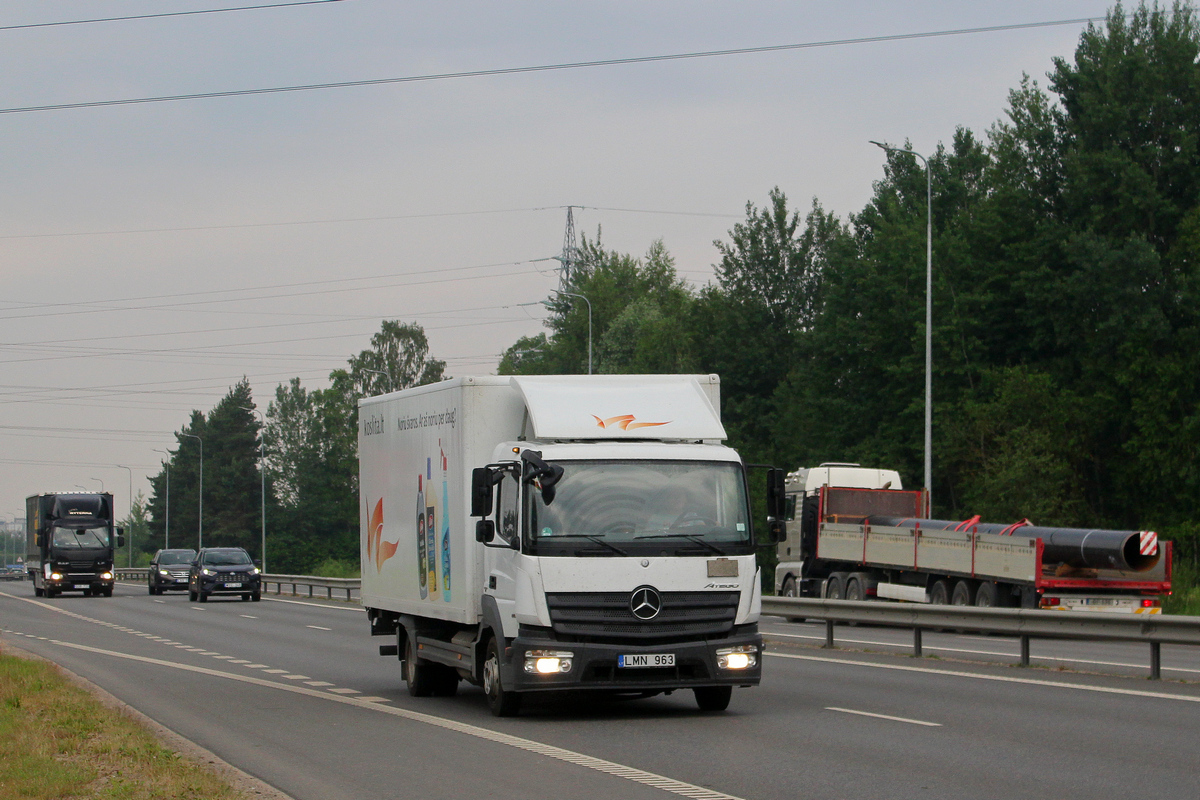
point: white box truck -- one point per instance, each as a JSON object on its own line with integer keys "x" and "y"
{"x": 548, "y": 533}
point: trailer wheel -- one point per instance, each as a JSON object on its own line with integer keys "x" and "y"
{"x": 713, "y": 698}
{"x": 835, "y": 586}
{"x": 939, "y": 593}
{"x": 986, "y": 595}
{"x": 963, "y": 594}
{"x": 418, "y": 675}
{"x": 502, "y": 703}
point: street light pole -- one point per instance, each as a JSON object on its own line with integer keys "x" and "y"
{"x": 167, "y": 467}
{"x": 200, "y": 538}
{"x": 928, "y": 309}
{"x": 97, "y": 480}
{"x": 262, "y": 472}
{"x": 122, "y": 466}
{"x": 589, "y": 305}
{"x": 391, "y": 386}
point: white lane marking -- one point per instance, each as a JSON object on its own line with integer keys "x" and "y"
{"x": 884, "y": 716}
{"x": 275, "y": 671}
{"x": 160, "y": 601}
{"x": 243, "y": 661}
{"x": 528, "y": 745}
{"x": 318, "y": 627}
{"x": 355, "y": 609}
{"x": 370, "y": 699}
{"x": 224, "y": 657}
{"x": 247, "y": 616}
{"x": 908, "y": 646}
{"x": 294, "y": 677}
{"x": 250, "y": 666}
{"x": 209, "y": 653}
{"x": 318, "y": 683}
{"x": 198, "y": 608}
{"x": 345, "y": 691}
{"x": 999, "y": 678}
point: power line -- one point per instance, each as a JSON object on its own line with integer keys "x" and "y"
{"x": 610, "y": 62}
{"x": 163, "y": 14}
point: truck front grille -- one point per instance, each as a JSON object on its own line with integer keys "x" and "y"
{"x": 607, "y": 615}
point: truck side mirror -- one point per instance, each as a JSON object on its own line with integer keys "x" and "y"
{"x": 776, "y": 494}
{"x": 542, "y": 475}
{"x": 481, "y": 494}
{"x": 120, "y": 540}
{"x": 777, "y": 529}
{"x": 485, "y": 529}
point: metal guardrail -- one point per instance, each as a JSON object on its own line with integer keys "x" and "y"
{"x": 348, "y": 585}
{"x": 1153, "y": 629}
{"x": 312, "y": 582}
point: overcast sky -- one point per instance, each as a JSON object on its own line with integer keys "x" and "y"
{"x": 152, "y": 254}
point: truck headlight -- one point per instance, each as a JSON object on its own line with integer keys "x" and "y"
{"x": 56, "y": 576}
{"x": 106, "y": 576}
{"x": 741, "y": 657}
{"x": 547, "y": 662}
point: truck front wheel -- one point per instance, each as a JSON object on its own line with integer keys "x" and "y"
{"x": 502, "y": 702}
{"x": 713, "y": 698}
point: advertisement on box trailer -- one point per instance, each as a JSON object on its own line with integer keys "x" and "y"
{"x": 407, "y": 550}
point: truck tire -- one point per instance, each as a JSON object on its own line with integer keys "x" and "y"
{"x": 420, "y": 676}
{"x": 854, "y": 590}
{"x": 964, "y": 594}
{"x": 939, "y": 593}
{"x": 986, "y": 595}
{"x": 503, "y": 703}
{"x": 38, "y": 591}
{"x": 713, "y": 698}
{"x": 106, "y": 593}
{"x": 789, "y": 587}
{"x": 835, "y": 587}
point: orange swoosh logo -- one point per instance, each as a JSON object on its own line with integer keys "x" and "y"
{"x": 626, "y": 422}
{"x": 378, "y": 550}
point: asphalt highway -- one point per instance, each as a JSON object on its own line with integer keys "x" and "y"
{"x": 295, "y": 693}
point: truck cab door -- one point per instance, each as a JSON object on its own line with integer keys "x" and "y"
{"x": 500, "y": 559}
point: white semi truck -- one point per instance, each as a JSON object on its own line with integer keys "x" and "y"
{"x": 861, "y": 536}
{"x": 548, "y": 533}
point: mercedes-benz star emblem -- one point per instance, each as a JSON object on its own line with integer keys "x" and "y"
{"x": 645, "y": 602}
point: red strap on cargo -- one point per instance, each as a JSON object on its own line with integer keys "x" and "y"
{"x": 966, "y": 524}
{"x": 1009, "y": 530}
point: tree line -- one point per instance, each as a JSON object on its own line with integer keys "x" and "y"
{"x": 1066, "y": 332}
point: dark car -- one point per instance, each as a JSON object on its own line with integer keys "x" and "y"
{"x": 169, "y": 570}
{"x": 223, "y": 570}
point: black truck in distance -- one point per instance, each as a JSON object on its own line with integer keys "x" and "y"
{"x": 70, "y": 539}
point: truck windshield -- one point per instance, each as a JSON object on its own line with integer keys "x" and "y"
{"x": 611, "y": 508}
{"x": 81, "y": 537}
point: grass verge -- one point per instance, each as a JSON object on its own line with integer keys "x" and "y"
{"x": 57, "y": 742}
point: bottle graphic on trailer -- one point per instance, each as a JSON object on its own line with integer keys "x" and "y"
{"x": 445, "y": 526}
{"x": 430, "y": 527}
{"x": 422, "y": 555}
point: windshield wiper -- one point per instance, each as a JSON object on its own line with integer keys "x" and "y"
{"x": 691, "y": 537}
{"x": 591, "y": 538}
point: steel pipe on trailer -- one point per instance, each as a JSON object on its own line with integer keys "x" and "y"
{"x": 1076, "y": 547}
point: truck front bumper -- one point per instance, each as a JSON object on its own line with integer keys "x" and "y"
{"x": 595, "y": 665}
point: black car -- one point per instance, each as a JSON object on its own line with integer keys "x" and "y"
{"x": 223, "y": 570}
{"x": 169, "y": 570}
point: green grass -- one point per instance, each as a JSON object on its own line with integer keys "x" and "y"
{"x": 337, "y": 568}
{"x": 1185, "y": 590}
{"x": 57, "y": 742}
